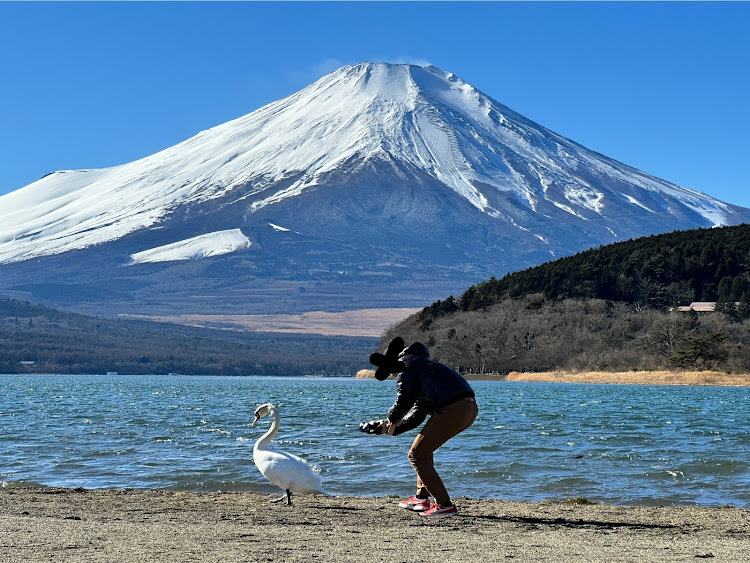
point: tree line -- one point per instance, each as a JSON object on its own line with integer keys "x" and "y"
{"x": 534, "y": 333}
{"x": 61, "y": 342}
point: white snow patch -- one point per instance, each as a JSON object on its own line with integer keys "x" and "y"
{"x": 634, "y": 201}
{"x": 202, "y": 246}
{"x": 545, "y": 183}
{"x": 585, "y": 196}
{"x": 569, "y": 210}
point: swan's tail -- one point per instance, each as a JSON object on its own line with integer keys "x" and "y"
{"x": 318, "y": 490}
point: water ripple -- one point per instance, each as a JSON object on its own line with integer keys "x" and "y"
{"x": 645, "y": 445}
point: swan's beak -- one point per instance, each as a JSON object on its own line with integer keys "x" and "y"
{"x": 256, "y": 419}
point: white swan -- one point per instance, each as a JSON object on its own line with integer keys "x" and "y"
{"x": 290, "y": 473}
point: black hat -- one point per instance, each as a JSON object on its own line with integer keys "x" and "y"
{"x": 415, "y": 349}
{"x": 388, "y": 363}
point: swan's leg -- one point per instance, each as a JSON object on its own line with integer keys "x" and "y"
{"x": 287, "y": 496}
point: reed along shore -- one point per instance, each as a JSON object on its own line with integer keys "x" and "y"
{"x": 636, "y": 377}
{"x": 78, "y": 525}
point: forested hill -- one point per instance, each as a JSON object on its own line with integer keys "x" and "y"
{"x": 36, "y": 339}
{"x": 658, "y": 271}
{"x": 611, "y": 308}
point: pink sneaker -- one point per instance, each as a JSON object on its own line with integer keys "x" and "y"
{"x": 415, "y": 504}
{"x": 437, "y": 510}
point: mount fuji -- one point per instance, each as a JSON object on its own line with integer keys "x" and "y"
{"x": 379, "y": 185}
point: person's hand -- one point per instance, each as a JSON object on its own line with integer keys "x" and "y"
{"x": 373, "y": 427}
{"x": 390, "y": 428}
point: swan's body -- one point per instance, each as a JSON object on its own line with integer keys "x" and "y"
{"x": 290, "y": 473}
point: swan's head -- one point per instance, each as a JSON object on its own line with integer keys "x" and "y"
{"x": 263, "y": 410}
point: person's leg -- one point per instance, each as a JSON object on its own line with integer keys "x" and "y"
{"x": 440, "y": 428}
{"x": 422, "y": 491}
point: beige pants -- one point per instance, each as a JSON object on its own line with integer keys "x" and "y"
{"x": 440, "y": 428}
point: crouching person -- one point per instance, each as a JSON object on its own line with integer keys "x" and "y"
{"x": 424, "y": 387}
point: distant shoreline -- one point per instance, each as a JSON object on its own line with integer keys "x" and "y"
{"x": 707, "y": 378}
{"x": 622, "y": 377}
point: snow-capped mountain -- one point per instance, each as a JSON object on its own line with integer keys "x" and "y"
{"x": 375, "y": 171}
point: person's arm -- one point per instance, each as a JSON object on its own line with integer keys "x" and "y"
{"x": 405, "y": 413}
{"x": 413, "y": 418}
{"x": 401, "y": 409}
{"x": 405, "y": 399}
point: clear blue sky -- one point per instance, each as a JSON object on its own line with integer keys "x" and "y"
{"x": 663, "y": 87}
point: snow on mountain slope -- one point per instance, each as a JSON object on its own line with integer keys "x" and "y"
{"x": 195, "y": 248}
{"x": 422, "y": 117}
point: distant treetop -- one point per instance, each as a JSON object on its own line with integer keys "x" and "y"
{"x": 658, "y": 271}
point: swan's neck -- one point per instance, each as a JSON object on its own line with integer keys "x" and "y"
{"x": 263, "y": 441}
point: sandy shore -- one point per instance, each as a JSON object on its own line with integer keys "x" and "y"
{"x": 63, "y": 525}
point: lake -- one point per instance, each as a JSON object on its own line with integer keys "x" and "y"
{"x": 619, "y": 444}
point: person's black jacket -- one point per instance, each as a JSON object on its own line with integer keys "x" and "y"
{"x": 423, "y": 388}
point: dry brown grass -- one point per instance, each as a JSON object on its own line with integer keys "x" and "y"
{"x": 362, "y": 322}
{"x": 621, "y": 377}
{"x": 636, "y": 377}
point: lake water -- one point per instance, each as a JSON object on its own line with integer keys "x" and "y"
{"x": 620, "y": 444}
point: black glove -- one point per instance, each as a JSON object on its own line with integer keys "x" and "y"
{"x": 372, "y": 427}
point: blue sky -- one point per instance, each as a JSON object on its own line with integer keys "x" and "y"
{"x": 660, "y": 86}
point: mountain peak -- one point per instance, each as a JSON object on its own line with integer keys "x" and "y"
{"x": 427, "y": 121}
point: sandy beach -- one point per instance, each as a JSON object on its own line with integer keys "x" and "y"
{"x": 64, "y": 525}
